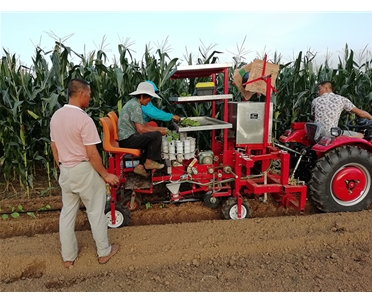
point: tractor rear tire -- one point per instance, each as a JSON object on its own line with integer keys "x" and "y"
{"x": 341, "y": 180}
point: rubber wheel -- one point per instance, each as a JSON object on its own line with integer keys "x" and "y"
{"x": 230, "y": 209}
{"x": 211, "y": 202}
{"x": 341, "y": 181}
{"x": 122, "y": 216}
{"x": 136, "y": 203}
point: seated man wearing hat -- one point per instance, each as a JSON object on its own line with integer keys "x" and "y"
{"x": 134, "y": 133}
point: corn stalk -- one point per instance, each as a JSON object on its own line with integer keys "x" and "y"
{"x": 30, "y": 95}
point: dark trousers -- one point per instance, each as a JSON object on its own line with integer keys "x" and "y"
{"x": 149, "y": 142}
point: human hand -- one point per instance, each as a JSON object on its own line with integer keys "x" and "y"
{"x": 163, "y": 130}
{"x": 112, "y": 179}
{"x": 176, "y": 118}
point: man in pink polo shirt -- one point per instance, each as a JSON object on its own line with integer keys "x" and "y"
{"x": 82, "y": 175}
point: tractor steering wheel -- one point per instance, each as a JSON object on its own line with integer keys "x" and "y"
{"x": 359, "y": 123}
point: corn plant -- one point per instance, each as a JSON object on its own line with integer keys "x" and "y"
{"x": 15, "y": 126}
{"x": 30, "y": 95}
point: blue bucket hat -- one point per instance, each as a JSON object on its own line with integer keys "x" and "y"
{"x": 154, "y": 85}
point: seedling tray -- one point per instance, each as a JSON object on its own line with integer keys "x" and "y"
{"x": 206, "y": 123}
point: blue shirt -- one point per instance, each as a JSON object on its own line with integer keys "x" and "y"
{"x": 152, "y": 112}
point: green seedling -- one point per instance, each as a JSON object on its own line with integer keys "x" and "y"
{"x": 184, "y": 94}
{"x": 44, "y": 208}
{"x": 31, "y": 214}
{"x": 148, "y": 205}
{"x": 18, "y": 208}
{"x": 189, "y": 122}
{"x": 15, "y": 211}
{"x": 172, "y": 136}
{"x": 15, "y": 215}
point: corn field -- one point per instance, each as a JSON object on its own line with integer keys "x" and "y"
{"x": 30, "y": 95}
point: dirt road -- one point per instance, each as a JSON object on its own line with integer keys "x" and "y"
{"x": 307, "y": 253}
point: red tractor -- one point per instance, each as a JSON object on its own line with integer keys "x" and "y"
{"x": 336, "y": 168}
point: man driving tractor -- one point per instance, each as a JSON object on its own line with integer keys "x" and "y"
{"x": 327, "y": 108}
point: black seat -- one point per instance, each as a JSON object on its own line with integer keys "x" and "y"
{"x": 315, "y": 131}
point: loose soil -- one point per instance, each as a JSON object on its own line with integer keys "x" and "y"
{"x": 188, "y": 247}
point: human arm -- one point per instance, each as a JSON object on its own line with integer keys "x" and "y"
{"x": 361, "y": 113}
{"x": 145, "y": 128}
{"x": 55, "y": 152}
{"x": 96, "y": 161}
{"x": 156, "y": 114}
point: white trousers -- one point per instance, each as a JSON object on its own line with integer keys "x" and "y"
{"x": 82, "y": 182}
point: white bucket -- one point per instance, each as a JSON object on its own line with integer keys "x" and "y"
{"x": 179, "y": 157}
{"x": 179, "y": 146}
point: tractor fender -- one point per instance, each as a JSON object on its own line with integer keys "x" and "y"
{"x": 293, "y": 135}
{"x": 325, "y": 144}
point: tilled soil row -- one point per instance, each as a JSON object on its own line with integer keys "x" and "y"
{"x": 31, "y": 205}
{"x": 42, "y": 222}
{"x": 35, "y": 219}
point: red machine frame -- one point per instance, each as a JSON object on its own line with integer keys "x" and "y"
{"x": 234, "y": 162}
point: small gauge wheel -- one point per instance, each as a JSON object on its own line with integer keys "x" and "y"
{"x": 122, "y": 216}
{"x": 211, "y": 202}
{"x": 135, "y": 205}
{"x": 230, "y": 209}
